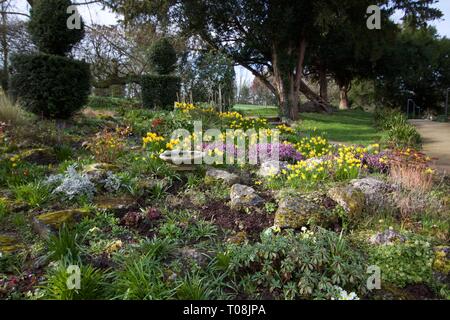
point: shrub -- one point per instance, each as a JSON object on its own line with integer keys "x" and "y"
{"x": 50, "y": 86}
{"x": 107, "y": 145}
{"x": 307, "y": 265}
{"x": 159, "y": 90}
{"x": 162, "y": 57}
{"x": 403, "y": 136}
{"x": 48, "y": 27}
{"x": 400, "y": 134}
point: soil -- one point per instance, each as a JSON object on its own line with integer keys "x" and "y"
{"x": 222, "y": 216}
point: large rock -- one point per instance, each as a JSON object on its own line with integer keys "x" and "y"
{"x": 295, "y": 212}
{"x": 119, "y": 205}
{"x": 221, "y": 175}
{"x": 244, "y": 196}
{"x": 351, "y": 199}
{"x": 375, "y": 191}
{"x": 387, "y": 237}
{"x": 9, "y": 243}
{"x": 48, "y": 222}
{"x": 271, "y": 168}
{"x": 441, "y": 264}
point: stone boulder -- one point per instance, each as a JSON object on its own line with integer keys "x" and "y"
{"x": 47, "y": 222}
{"x": 351, "y": 199}
{"x": 244, "y": 196}
{"x": 119, "y": 205}
{"x": 192, "y": 254}
{"x": 295, "y": 212}
{"x": 387, "y": 237}
{"x": 9, "y": 243}
{"x": 375, "y": 191}
{"x": 271, "y": 167}
{"x": 222, "y": 176}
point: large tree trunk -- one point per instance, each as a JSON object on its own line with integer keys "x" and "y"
{"x": 315, "y": 98}
{"x": 287, "y": 79}
{"x": 4, "y": 41}
{"x": 287, "y": 84}
{"x": 344, "y": 88}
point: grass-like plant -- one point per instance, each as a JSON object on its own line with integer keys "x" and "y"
{"x": 35, "y": 194}
{"x": 63, "y": 244}
{"x": 92, "y": 282}
{"x": 10, "y": 113}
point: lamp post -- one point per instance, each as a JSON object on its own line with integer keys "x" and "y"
{"x": 446, "y": 105}
{"x": 407, "y": 107}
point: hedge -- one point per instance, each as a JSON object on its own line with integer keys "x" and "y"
{"x": 159, "y": 90}
{"x": 50, "y": 86}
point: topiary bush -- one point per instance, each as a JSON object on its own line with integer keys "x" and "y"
{"x": 48, "y": 27}
{"x": 162, "y": 57}
{"x": 159, "y": 90}
{"x": 50, "y": 86}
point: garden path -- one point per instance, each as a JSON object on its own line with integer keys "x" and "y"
{"x": 436, "y": 142}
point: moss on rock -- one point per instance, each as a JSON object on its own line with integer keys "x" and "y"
{"x": 351, "y": 199}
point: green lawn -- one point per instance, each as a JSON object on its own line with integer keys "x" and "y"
{"x": 350, "y": 126}
{"x": 257, "y": 110}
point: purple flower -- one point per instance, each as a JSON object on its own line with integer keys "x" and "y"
{"x": 260, "y": 152}
{"x": 373, "y": 162}
{"x": 286, "y": 152}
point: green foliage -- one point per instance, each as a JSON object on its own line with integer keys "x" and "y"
{"x": 400, "y": 134}
{"x": 99, "y": 102}
{"x": 48, "y": 27}
{"x": 415, "y": 65}
{"x": 141, "y": 278}
{"x": 194, "y": 287}
{"x": 35, "y": 194}
{"x": 159, "y": 91}
{"x": 63, "y": 152}
{"x": 162, "y": 57}
{"x": 63, "y": 244}
{"x": 50, "y": 86}
{"x": 92, "y": 283}
{"x": 404, "y": 136}
{"x": 12, "y": 262}
{"x": 404, "y": 263}
{"x": 292, "y": 266}
{"x": 3, "y": 209}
